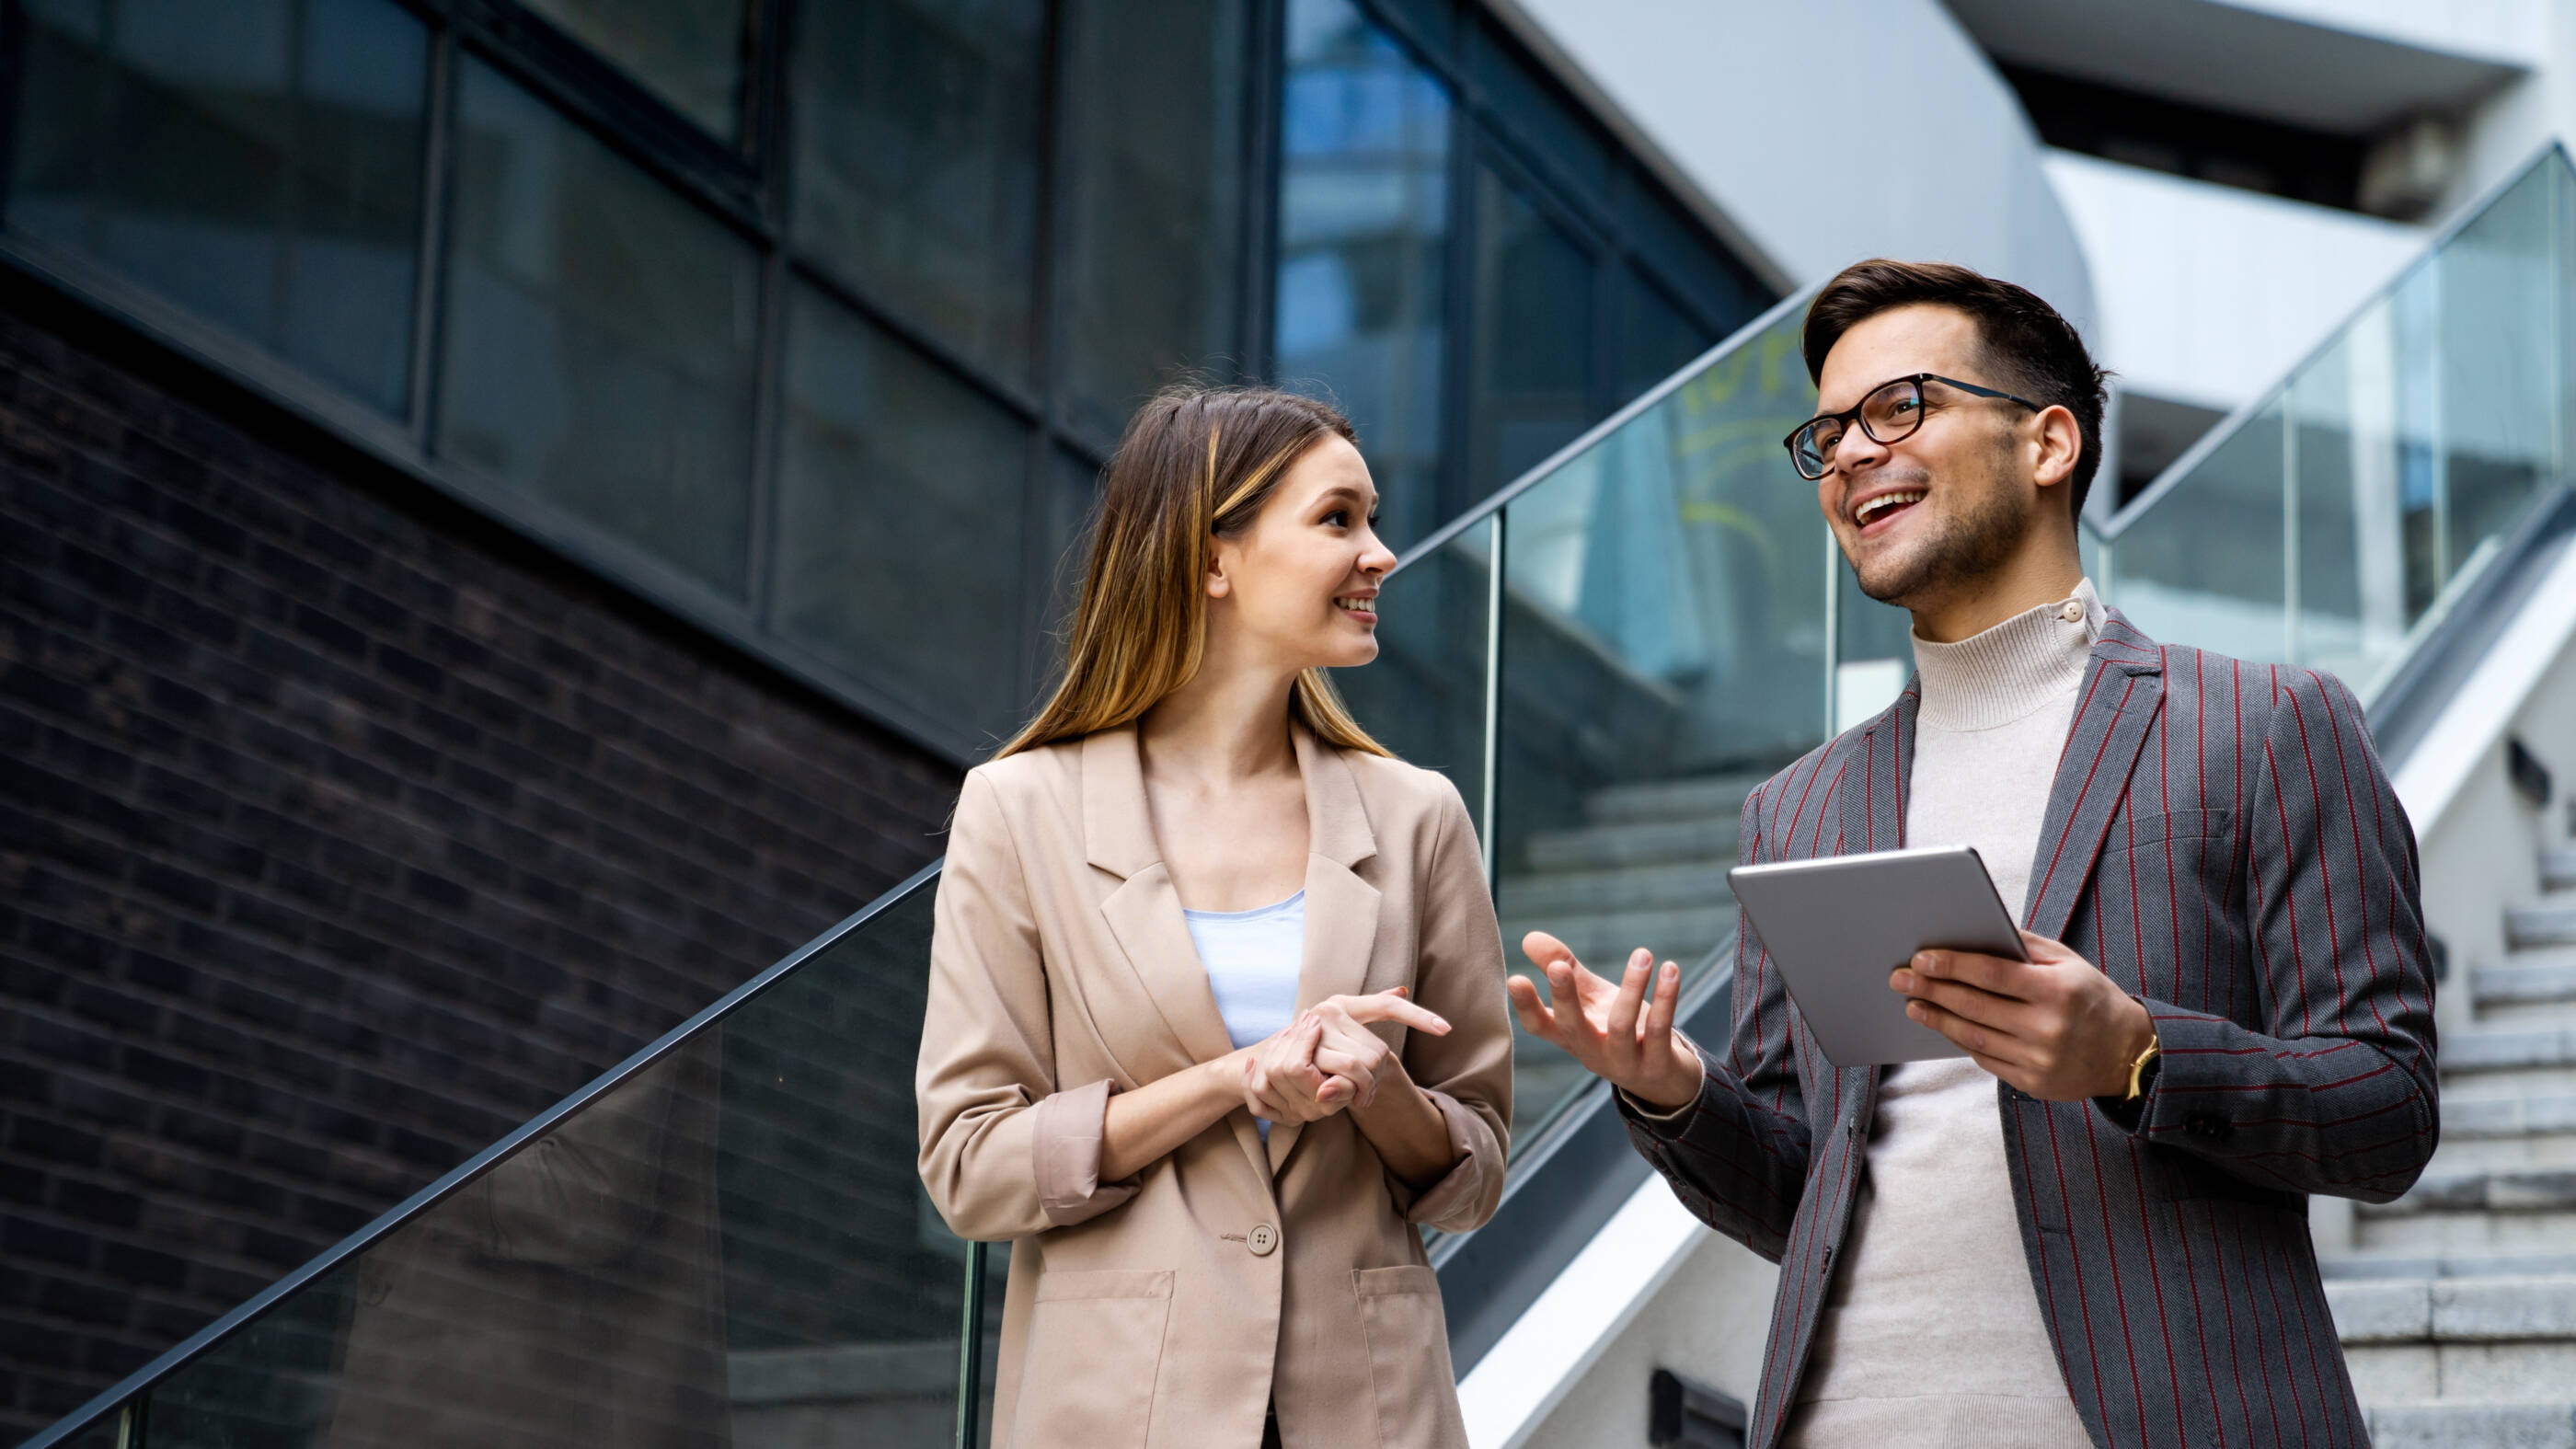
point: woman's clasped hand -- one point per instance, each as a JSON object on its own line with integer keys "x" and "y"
{"x": 1327, "y": 1059}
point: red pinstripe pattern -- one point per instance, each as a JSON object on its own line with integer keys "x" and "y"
{"x": 2297, "y": 1054}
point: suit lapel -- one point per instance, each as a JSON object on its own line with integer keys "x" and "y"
{"x": 1341, "y": 908}
{"x": 1875, "y": 775}
{"x": 2123, "y": 689}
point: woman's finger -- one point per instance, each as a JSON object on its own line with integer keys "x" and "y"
{"x": 1388, "y": 1006}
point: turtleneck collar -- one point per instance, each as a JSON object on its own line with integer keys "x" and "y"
{"x": 2012, "y": 669}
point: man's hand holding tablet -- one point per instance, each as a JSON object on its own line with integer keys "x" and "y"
{"x": 2053, "y": 1026}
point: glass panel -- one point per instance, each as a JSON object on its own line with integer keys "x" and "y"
{"x": 1363, "y": 221}
{"x": 2210, "y": 574}
{"x": 917, "y": 140}
{"x": 688, "y": 52}
{"x": 2499, "y": 354}
{"x": 1663, "y": 653}
{"x": 257, "y": 162}
{"x": 1531, "y": 388}
{"x": 2351, "y": 533}
{"x": 1424, "y": 697}
{"x": 1152, "y": 181}
{"x": 600, "y": 336}
{"x": 899, "y": 521}
{"x": 729, "y": 1247}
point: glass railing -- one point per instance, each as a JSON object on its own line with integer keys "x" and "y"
{"x": 2337, "y": 520}
{"x": 1658, "y": 639}
{"x": 724, "y": 1240}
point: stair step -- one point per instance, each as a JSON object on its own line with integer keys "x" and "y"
{"x": 2544, "y": 980}
{"x": 2457, "y": 1234}
{"x": 2549, "y": 1424}
{"x": 1603, "y": 939}
{"x": 2550, "y": 924}
{"x": 2558, "y": 869}
{"x": 1607, "y": 847}
{"x": 2507, "y": 1049}
{"x": 1706, "y": 797}
{"x": 2482, "y": 1117}
{"x": 1674, "y": 885}
{"x": 2546, "y": 1190}
{"x": 2454, "y": 1310}
{"x": 2348, "y": 1267}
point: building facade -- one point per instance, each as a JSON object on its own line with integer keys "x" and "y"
{"x": 518, "y": 513}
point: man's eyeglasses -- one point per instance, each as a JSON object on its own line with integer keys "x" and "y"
{"x": 1890, "y": 414}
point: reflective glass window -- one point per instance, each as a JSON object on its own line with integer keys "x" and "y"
{"x": 1531, "y": 389}
{"x": 1152, "y": 181}
{"x": 1681, "y": 254}
{"x": 257, "y": 162}
{"x": 601, "y": 335}
{"x": 917, "y": 155}
{"x": 688, "y": 52}
{"x": 1363, "y": 219}
{"x": 900, "y": 545}
{"x": 1655, "y": 335}
{"x": 1539, "y": 112}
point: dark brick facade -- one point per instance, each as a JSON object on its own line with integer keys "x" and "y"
{"x": 340, "y": 831}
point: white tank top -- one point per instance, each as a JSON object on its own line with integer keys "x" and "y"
{"x": 1252, "y": 959}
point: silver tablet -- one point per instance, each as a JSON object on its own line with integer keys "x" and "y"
{"x": 1836, "y": 927}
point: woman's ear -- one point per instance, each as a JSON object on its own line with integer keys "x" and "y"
{"x": 1218, "y": 585}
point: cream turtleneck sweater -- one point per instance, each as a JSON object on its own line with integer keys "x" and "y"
{"x": 1932, "y": 1334}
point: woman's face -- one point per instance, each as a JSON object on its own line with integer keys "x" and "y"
{"x": 1299, "y": 587}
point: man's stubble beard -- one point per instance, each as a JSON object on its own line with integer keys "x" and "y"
{"x": 1967, "y": 547}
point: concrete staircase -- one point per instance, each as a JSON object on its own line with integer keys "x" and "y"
{"x": 2457, "y": 1303}
{"x": 1645, "y": 866}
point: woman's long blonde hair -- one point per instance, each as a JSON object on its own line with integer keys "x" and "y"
{"x": 1197, "y": 464}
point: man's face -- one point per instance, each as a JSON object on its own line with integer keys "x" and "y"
{"x": 1974, "y": 500}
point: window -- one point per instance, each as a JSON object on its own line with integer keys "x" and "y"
{"x": 1363, "y": 230}
{"x": 257, "y": 162}
{"x": 688, "y": 52}
{"x": 840, "y": 393}
{"x": 1533, "y": 380}
{"x": 917, "y": 150}
{"x": 600, "y": 336}
{"x": 1154, "y": 197}
{"x": 900, "y": 551}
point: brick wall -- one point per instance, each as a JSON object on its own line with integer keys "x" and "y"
{"x": 340, "y": 831}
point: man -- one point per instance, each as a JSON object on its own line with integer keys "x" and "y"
{"x": 2093, "y": 1228}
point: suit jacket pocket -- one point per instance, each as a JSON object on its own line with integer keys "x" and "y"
{"x": 1095, "y": 1347}
{"x": 1408, "y": 1350}
{"x": 2177, "y": 825}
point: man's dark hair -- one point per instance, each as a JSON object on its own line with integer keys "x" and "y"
{"x": 2028, "y": 348}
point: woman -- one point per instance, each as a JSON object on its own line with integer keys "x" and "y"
{"x": 1216, "y": 1016}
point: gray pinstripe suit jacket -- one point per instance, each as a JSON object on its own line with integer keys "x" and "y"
{"x": 2220, "y": 839}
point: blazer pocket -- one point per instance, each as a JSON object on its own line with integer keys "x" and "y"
{"x": 1408, "y": 1353}
{"x": 1095, "y": 1349}
{"x": 2177, "y": 825}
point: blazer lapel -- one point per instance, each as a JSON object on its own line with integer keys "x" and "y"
{"x": 2123, "y": 689}
{"x": 1873, "y": 785}
{"x": 1145, "y": 912}
{"x": 1341, "y": 908}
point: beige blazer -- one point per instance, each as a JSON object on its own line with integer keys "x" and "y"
{"x": 1172, "y": 1309}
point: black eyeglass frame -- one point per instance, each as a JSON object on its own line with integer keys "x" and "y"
{"x": 1852, "y": 416}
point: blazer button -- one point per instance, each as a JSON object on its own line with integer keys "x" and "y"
{"x": 1263, "y": 1240}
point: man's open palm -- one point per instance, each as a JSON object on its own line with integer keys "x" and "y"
{"x": 1622, "y": 1033}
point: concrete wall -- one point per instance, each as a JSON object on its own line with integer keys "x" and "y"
{"x": 2208, "y": 294}
{"x": 1817, "y": 149}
